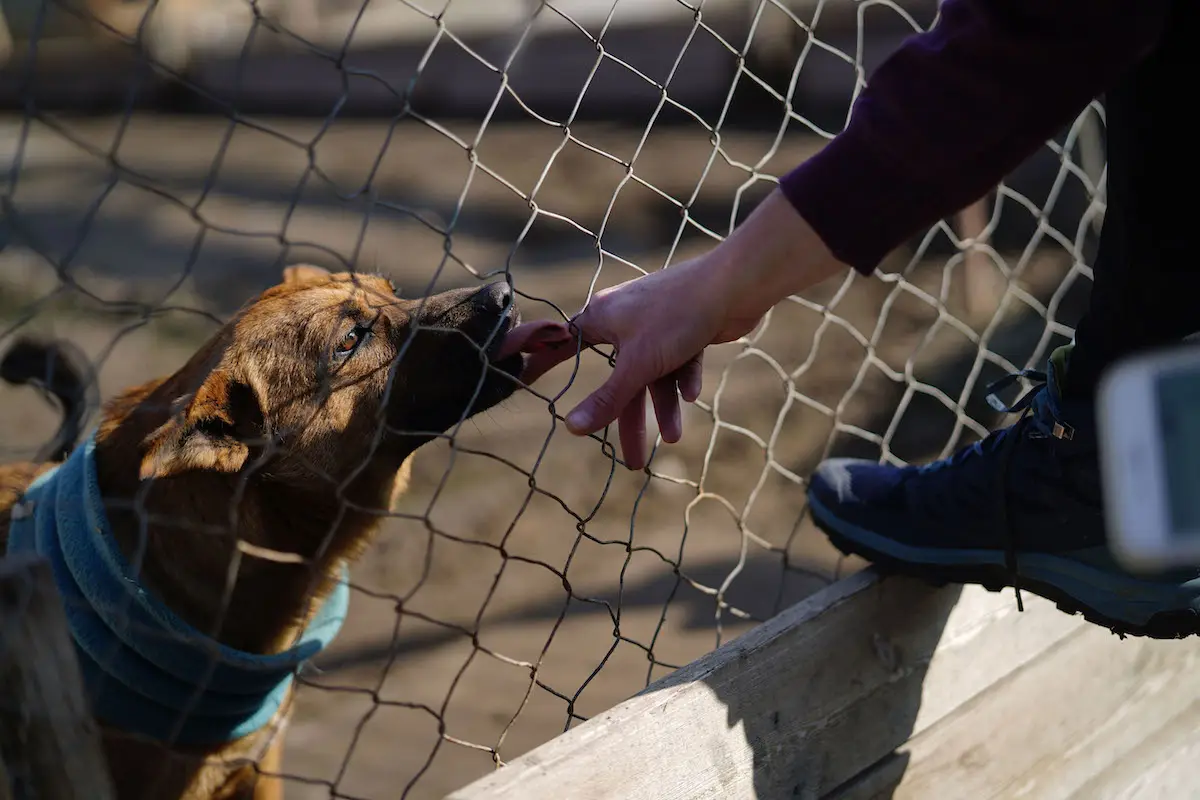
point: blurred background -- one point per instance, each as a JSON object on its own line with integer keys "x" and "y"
{"x": 163, "y": 161}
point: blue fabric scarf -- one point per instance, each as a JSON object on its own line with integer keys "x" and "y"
{"x": 145, "y": 670}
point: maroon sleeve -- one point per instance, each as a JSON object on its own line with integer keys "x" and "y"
{"x": 955, "y": 109}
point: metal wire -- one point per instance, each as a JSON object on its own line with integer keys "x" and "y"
{"x": 522, "y": 552}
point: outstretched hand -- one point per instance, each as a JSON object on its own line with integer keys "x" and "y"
{"x": 659, "y": 324}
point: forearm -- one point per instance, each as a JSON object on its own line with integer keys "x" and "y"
{"x": 774, "y": 253}
{"x": 955, "y": 109}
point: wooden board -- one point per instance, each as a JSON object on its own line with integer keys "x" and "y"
{"x": 799, "y": 706}
{"x": 1071, "y": 724}
{"x": 1162, "y": 766}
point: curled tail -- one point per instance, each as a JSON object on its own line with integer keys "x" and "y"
{"x": 63, "y": 374}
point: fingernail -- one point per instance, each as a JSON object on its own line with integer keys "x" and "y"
{"x": 578, "y": 421}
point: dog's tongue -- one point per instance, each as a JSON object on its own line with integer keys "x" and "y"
{"x": 533, "y": 337}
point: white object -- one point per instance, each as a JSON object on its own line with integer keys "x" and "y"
{"x": 1148, "y": 429}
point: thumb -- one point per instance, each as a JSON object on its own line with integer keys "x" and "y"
{"x": 604, "y": 405}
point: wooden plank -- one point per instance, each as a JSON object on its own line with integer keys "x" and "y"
{"x": 1159, "y": 724}
{"x": 1048, "y": 728}
{"x": 1169, "y": 771}
{"x": 49, "y": 742}
{"x": 1162, "y": 765}
{"x": 876, "y": 782}
{"x": 799, "y": 705}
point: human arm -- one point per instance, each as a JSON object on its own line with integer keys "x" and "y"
{"x": 957, "y": 108}
{"x": 941, "y": 122}
{"x": 661, "y": 322}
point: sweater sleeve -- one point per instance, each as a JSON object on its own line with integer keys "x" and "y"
{"x": 957, "y": 108}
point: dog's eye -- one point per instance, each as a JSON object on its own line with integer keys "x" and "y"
{"x": 350, "y": 342}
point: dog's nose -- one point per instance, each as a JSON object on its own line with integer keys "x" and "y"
{"x": 495, "y": 297}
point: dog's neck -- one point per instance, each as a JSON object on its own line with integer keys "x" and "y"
{"x": 183, "y": 533}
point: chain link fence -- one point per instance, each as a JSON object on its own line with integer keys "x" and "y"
{"x": 527, "y": 581}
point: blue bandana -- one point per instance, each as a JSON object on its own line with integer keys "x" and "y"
{"x": 147, "y": 671}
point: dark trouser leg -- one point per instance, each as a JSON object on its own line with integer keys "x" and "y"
{"x": 1147, "y": 272}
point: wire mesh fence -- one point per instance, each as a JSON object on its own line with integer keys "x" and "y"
{"x": 525, "y": 581}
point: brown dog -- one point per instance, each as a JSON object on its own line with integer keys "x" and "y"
{"x": 266, "y": 461}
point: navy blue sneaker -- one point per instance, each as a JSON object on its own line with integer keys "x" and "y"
{"x": 1020, "y": 508}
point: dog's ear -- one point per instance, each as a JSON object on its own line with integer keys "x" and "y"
{"x": 209, "y": 432}
{"x": 305, "y": 273}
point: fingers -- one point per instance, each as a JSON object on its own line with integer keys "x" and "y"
{"x": 539, "y": 363}
{"x": 632, "y": 424}
{"x": 622, "y": 398}
{"x": 691, "y": 378}
{"x": 665, "y": 393}
{"x": 602, "y": 406}
{"x": 571, "y": 337}
{"x": 666, "y": 408}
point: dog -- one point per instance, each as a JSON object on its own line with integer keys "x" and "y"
{"x": 235, "y": 492}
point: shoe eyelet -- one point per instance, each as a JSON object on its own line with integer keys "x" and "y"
{"x": 1062, "y": 431}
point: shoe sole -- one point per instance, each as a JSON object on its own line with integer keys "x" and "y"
{"x": 989, "y": 569}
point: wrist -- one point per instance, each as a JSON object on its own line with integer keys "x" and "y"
{"x": 774, "y": 253}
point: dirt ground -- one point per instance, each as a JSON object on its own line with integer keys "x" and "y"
{"x": 527, "y": 582}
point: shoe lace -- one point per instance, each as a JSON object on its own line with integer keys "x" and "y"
{"x": 1024, "y": 401}
{"x": 1041, "y": 427}
{"x": 1001, "y": 442}
{"x": 997, "y": 438}
{"x": 1043, "y": 424}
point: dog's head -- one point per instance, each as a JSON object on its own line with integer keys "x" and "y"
{"x": 334, "y": 370}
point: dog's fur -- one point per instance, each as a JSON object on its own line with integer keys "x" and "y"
{"x": 267, "y": 436}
